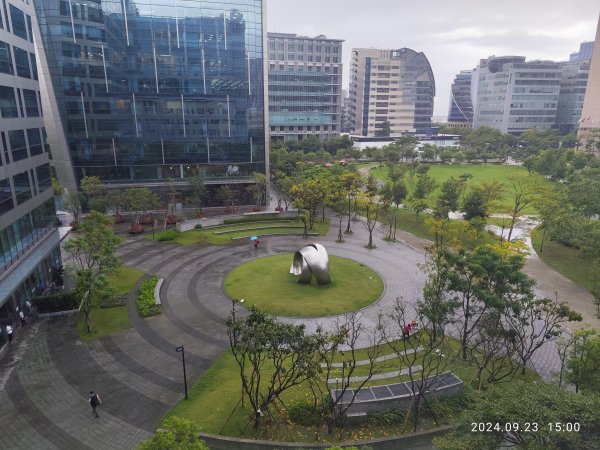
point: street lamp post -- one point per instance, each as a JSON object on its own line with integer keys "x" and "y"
{"x": 180, "y": 349}
{"x": 152, "y": 217}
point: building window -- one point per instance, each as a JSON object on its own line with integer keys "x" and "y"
{"x": 6, "y": 65}
{"x": 18, "y": 145}
{"x": 35, "y": 142}
{"x": 22, "y": 62}
{"x": 44, "y": 177}
{"x": 6, "y": 199}
{"x": 22, "y": 187}
{"x": 8, "y": 103}
{"x": 31, "y": 105}
{"x": 5, "y": 148}
{"x": 18, "y": 22}
{"x": 33, "y": 66}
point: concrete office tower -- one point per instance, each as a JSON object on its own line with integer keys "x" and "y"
{"x": 148, "y": 93}
{"x": 460, "y": 114}
{"x": 584, "y": 53}
{"x": 589, "y": 125}
{"x": 395, "y": 86}
{"x": 305, "y": 86}
{"x": 574, "y": 76}
{"x": 514, "y": 95}
{"x": 30, "y": 257}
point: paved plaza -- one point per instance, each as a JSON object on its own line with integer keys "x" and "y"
{"x": 45, "y": 375}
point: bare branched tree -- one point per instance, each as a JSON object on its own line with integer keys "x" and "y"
{"x": 424, "y": 358}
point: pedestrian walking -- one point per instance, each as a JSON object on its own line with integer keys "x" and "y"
{"x": 9, "y": 333}
{"x": 94, "y": 402}
{"x": 406, "y": 331}
{"x": 256, "y": 242}
{"x": 22, "y": 317}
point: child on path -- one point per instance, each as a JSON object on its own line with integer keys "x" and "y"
{"x": 9, "y": 333}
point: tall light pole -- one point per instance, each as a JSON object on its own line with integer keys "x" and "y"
{"x": 180, "y": 349}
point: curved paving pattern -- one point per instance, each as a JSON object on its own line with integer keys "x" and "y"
{"x": 46, "y": 374}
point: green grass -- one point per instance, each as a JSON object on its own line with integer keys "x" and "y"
{"x": 480, "y": 173}
{"x": 267, "y": 283}
{"x": 240, "y": 230}
{"x": 565, "y": 260}
{"x": 107, "y": 321}
{"x": 214, "y": 404}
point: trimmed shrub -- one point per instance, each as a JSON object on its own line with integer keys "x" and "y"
{"x": 114, "y": 299}
{"x": 168, "y": 235}
{"x": 257, "y": 218}
{"x": 198, "y": 226}
{"x": 304, "y": 414}
{"x": 145, "y": 299}
{"x": 63, "y": 301}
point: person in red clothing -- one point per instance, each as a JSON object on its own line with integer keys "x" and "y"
{"x": 406, "y": 331}
{"x": 256, "y": 242}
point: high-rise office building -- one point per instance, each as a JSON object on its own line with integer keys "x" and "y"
{"x": 584, "y": 53}
{"x": 460, "y": 114}
{"x": 151, "y": 92}
{"x": 574, "y": 75}
{"x": 589, "y": 124}
{"x": 30, "y": 257}
{"x": 305, "y": 86}
{"x": 390, "y": 86}
{"x": 514, "y": 95}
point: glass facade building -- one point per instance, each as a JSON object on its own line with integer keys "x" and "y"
{"x": 395, "y": 86}
{"x": 514, "y": 95}
{"x": 461, "y": 105}
{"x": 305, "y": 86}
{"x": 150, "y": 91}
{"x": 29, "y": 243}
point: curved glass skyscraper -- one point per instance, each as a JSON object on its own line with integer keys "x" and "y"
{"x": 156, "y": 90}
{"x": 390, "y": 86}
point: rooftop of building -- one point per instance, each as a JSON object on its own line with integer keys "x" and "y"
{"x": 320, "y": 37}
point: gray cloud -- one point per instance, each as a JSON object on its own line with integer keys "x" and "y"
{"x": 454, "y": 35}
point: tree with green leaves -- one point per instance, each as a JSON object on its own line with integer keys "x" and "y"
{"x": 447, "y": 201}
{"x": 175, "y": 433}
{"x": 139, "y": 201}
{"x": 418, "y": 205}
{"x": 95, "y": 192}
{"x": 93, "y": 256}
{"x": 310, "y": 195}
{"x": 258, "y": 189}
{"x": 528, "y": 416}
{"x": 72, "y": 203}
{"x": 350, "y": 184}
{"x": 259, "y": 341}
{"x": 424, "y": 186}
{"x": 386, "y": 129}
{"x": 395, "y": 193}
{"x": 197, "y": 192}
{"x": 481, "y": 280}
{"x": 475, "y": 205}
{"x": 523, "y": 193}
{"x": 226, "y": 197}
{"x": 583, "y": 363}
{"x": 369, "y": 205}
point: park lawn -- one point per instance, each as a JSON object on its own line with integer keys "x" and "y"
{"x": 267, "y": 283}
{"x": 480, "y": 173}
{"x": 243, "y": 229}
{"x": 565, "y": 260}
{"x": 107, "y": 321}
{"x": 214, "y": 404}
{"x": 409, "y": 222}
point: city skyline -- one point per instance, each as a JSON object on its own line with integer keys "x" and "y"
{"x": 451, "y": 39}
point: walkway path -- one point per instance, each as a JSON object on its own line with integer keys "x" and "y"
{"x": 46, "y": 374}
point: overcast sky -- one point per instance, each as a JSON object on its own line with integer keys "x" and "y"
{"x": 453, "y": 34}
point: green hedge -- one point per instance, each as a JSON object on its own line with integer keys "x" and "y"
{"x": 63, "y": 301}
{"x": 257, "y": 218}
{"x": 145, "y": 299}
{"x": 168, "y": 235}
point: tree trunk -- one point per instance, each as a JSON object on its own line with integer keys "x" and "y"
{"x": 348, "y": 229}
{"x": 543, "y": 239}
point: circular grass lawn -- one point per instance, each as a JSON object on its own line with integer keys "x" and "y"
{"x": 268, "y": 284}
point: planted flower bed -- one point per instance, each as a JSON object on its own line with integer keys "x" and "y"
{"x": 145, "y": 299}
